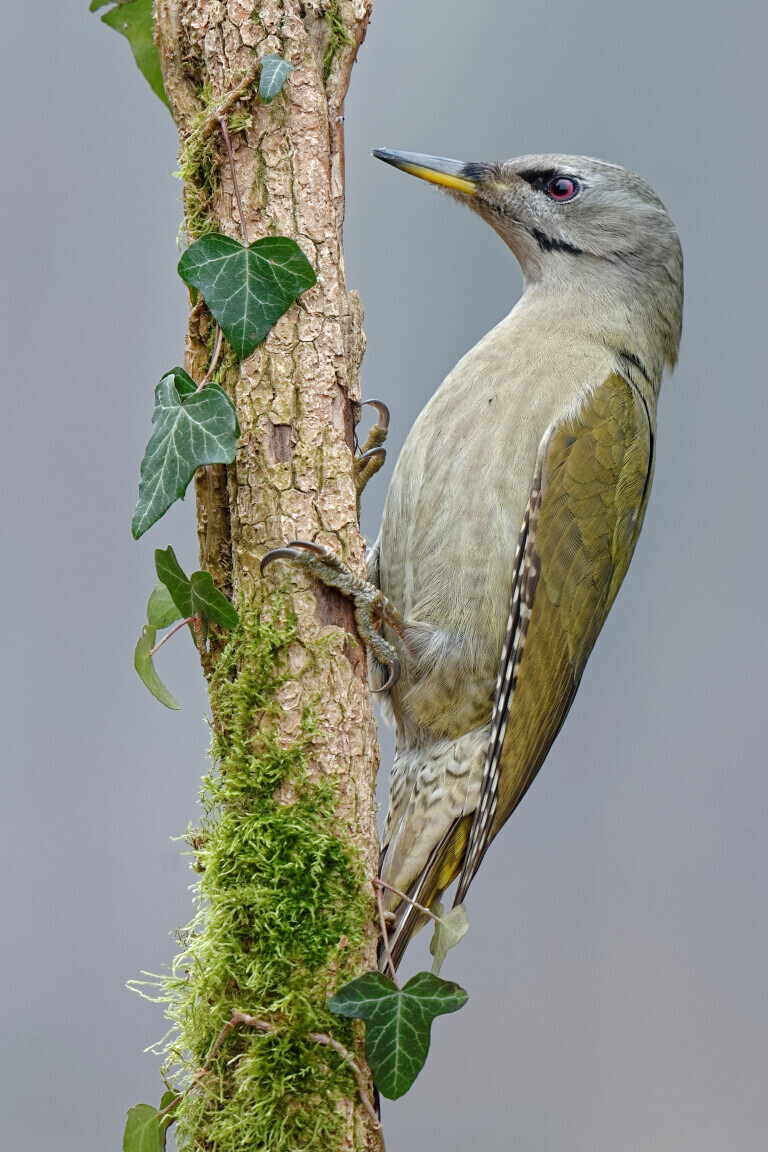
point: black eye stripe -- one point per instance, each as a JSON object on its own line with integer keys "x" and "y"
{"x": 538, "y": 178}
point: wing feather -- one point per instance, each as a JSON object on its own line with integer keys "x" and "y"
{"x": 587, "y": 503}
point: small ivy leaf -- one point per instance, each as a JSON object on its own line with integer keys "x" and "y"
{"x": 452, "y": 927}
{"x": 397, "y": 1022}
{"x": 246, "y": 289}
{"x": 274, "y": 73}
{"x": 161, "y": 610}
{"x": 142, "y": 662}
{"x": 166, "y": 1100}
{"x": 142, "y": 1130}
{"x": 170, "y": 573}
{"x": 189, "y": 428}
{"x": 209, "y": 603}
{"x": 133, "y": 19}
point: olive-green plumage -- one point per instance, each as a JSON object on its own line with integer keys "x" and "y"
{"x": 596, "y": 482}
{"x": 516, "y": 505}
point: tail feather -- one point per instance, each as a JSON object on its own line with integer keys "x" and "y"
{"x": 441, "y": 869}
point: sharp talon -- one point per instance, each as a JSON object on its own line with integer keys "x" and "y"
{"x": 278, "y": 554}
{"x": 382, "y": 410}
{"x": 394, "y": 676}
{"x": 309, "y": 546}
{"x": 374, "y": 454}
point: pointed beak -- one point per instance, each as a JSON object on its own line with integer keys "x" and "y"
{"x": 451, "y": 174}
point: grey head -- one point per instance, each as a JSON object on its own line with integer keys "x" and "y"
{"x": 575, "y": 224}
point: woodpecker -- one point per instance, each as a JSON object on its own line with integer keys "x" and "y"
{"x": 514, "y": 508}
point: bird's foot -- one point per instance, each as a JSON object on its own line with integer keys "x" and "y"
{"x": 372, "y": 607}
{"x": 372, "y": 455}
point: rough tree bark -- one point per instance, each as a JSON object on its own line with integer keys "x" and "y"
{"x": 305, "y": 702}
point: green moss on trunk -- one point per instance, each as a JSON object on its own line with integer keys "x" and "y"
{"x": 199, "y": 172}
{"x": 282, "y": 901}
{"x": 338, "y": 36}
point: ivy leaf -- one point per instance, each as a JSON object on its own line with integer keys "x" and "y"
{"x": 189, "y": 428}
{"x": 451, "y": 928}
{"x": 133, "y": 19}
{"x": 274, "y": 73}
{"x": 246, "y": 289}
{"x": 397, "y": 1022}
{"x": 166, "y": 1120}
{"x": 168, "y": 1098}
{"x": 142, "y": 1130}
{"x": 142, "y": 662}
{"x": 161, "y": 610}
{"x": 209, "y": 603}
{"x": 194, "y": 595}
{"x": 170, "y": 573}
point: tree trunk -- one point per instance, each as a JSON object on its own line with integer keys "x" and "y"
{"x": 288, "y": 843}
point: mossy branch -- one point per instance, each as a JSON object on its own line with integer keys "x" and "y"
{"x": 279, "y": 888}
{"x": 286, "y": 846}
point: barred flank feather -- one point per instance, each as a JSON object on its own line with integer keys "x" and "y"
{"x": 524, "y": 582}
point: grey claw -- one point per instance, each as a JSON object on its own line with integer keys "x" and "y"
{"x": 278, "y": 554}
{"x": 394, "y": 676}
{"x": 382, "y": 410}
{"x": 309, "y": 546}
{"x": 372, "y": 454}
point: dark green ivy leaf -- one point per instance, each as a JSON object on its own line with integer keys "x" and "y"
{"x": 170, "y": 573}
{"x": 194, "y": 595}
{"x": 274, "y": 72}
{"x": 209, "y": 603}
{"x": 142, "y": 662}
{"x": 189, "y": 428}
{"x": 397, "y": 1022}
{"x": 246, "y": 289}
{"x": 133, "y": 19}
{"x": 161, "y": 610}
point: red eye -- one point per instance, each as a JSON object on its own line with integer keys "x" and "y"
{"x": 562, "y": 188}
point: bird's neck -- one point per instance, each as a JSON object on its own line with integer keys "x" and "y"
{"x": 602, "y": 303}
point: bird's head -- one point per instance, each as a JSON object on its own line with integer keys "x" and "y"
{"x": 574, "y": 222}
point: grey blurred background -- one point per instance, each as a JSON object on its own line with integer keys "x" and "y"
{"x": 617, "y": 959}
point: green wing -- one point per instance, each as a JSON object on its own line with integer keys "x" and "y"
{"x": 587, "y": 505}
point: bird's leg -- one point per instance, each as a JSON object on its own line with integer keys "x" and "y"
{"x": 371, "y": 605}
{"x": 372, "y": 455}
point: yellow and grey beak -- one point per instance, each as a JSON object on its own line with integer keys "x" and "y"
{"x": 437, "y": 169}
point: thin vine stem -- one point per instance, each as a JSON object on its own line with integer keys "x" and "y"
{"x": 378, "y": 883}
{"x": 348, "y": 1058}
{"x": 317, "y": 1038}
{"x": 214, "y": 359}
{"x": 232, "y": 97}
{"x": 385, "y": 936}
{"x": 230, "y": 156}
{"x": 176, "y": 627}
